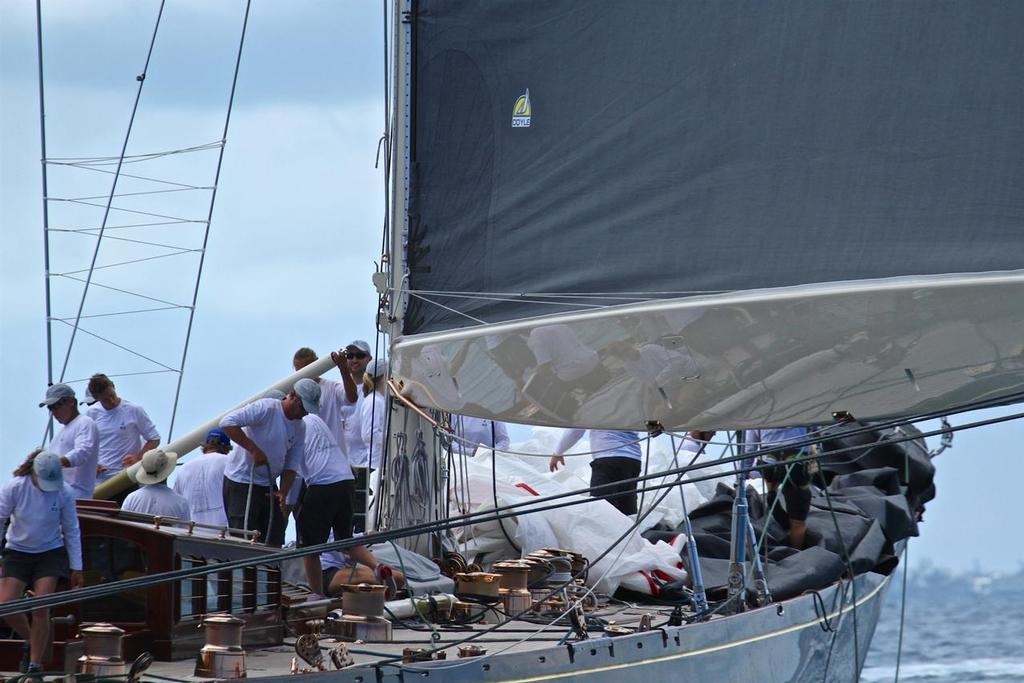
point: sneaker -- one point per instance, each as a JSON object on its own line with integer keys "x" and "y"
{"x": 34, "y": 672}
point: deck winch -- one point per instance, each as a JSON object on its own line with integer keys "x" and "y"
{"x": 223, "y": 655}
{"x": 361, "y": 616}
{"x": 104, "y": 654}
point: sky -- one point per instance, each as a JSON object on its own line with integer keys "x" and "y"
{"x": 295, "y": 229}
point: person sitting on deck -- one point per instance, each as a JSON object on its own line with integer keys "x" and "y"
{"x": 616, "y": 459}
{"x": 43, "y": 539}
{"x": 356, "y": 565}
{"x": 201, "y": 480}
{"x": 794, "y": 478}
{"x": 155, "y": 497}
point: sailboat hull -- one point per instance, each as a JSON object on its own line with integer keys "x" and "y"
{"x": 799, "y": 644}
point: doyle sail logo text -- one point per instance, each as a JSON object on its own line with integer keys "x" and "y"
{"x": 522, "y": 112}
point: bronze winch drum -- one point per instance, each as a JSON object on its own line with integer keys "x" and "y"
{"x": 516, "y": 600}
{"x": 363, "y": 600}
{"x": 514, "y": 574}
{"x": 103, "y": 651}
{"x": 482, "y": 586}
{"x": 222, "y": 656}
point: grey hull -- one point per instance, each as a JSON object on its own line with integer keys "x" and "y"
{"x": 761, "y": 645}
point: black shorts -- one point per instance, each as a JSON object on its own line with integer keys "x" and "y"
{"x": 326, "y": 507}
{"x": 613, "y": 470}
{"x": 27, "y": 567}
{"x": 263, "y": 511}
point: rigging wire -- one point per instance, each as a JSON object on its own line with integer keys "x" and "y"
{"x": 903, "y": 610}
{"x": 46, "y": 207}
{"x": 141, "y": 78}
{"x": 209, "y": 217}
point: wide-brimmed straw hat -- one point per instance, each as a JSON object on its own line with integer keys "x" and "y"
{"x": 156, "y": 465}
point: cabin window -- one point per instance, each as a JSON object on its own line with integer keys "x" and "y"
{"x": 109, "y": 559}
{"x": 268, "y": 585}
{"x": 192, "y": 592}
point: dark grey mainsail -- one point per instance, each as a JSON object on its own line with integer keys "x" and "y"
{"x": 691, "y": 147}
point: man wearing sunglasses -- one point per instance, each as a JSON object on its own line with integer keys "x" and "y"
{"x": 77, "y": 443}
{"x": 358, "y": 355}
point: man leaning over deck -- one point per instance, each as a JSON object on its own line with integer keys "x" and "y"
{"x": 271, "y": 438}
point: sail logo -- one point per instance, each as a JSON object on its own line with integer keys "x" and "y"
{"x": 522, "y": 112}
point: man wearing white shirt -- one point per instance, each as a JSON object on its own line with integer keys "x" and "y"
{"x": 155, "y": 497}
{"x": 201, "y": 480}
{"x": 358, "y": 355}
{"x": 329, "y": 499}
{"x": 77, "y": 443}
{"x": 125, "y": 430}
{"x": 271, "y": 439}
{"x": 334, "y": 395}
{"x": 616, "y": 457}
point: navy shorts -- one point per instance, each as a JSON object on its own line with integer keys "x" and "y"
{"x": 326, "y": 508}
{"x": 27, "y": 567}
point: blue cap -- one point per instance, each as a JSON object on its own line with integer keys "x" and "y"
{"x": 48, "y": 470}
{"x": 217, "y": 438}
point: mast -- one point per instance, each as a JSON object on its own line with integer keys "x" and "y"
{"x": 408, "y": 430}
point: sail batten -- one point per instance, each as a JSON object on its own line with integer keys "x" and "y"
{"x": 605, "y": 147}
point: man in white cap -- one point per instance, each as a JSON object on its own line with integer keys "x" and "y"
{"x": 359, "y": 356}
{"x": 126, "y": 432}
{"x": 271, "y": 438}
{"x": 78, "y": 443}
{"x": 155, "y": 497}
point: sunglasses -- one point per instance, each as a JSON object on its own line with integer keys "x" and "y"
{"x": 56, "y": 405}
{"x": 356, "y": 354}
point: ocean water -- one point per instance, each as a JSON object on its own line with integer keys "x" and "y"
{"x": 952, "y": 633}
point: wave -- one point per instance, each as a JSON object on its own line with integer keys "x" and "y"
{"x": 989, "y": 670}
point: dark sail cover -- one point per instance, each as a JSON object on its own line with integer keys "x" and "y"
{"x": 671, "y": 148}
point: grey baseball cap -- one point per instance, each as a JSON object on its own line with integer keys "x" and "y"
{"x": 309, "y": 392}
{"x": 361, "y": 345}
{"x": 377, "y": 368}
{"x": 56, "y": 392}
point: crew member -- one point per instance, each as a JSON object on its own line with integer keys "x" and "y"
{"x": 793, "y": 477}
{"x": 43, "y": 540}
{"x": 271, "y": 439}
{"x": 334, "y": 395}
{"x": 473, "y": 432}
{"x": 329, "y": 498}
{"x": 358, "y": 355}
{"x": 77, "y": 443}
{"x": 201, "y": 480}
{"x": 616, "y": 458}
{"x": 125, "y": 430}
{"x": 356, "y": 565}
{"x": 155, "y": 497}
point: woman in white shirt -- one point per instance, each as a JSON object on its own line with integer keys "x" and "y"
{"x": 43, "y": 539}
